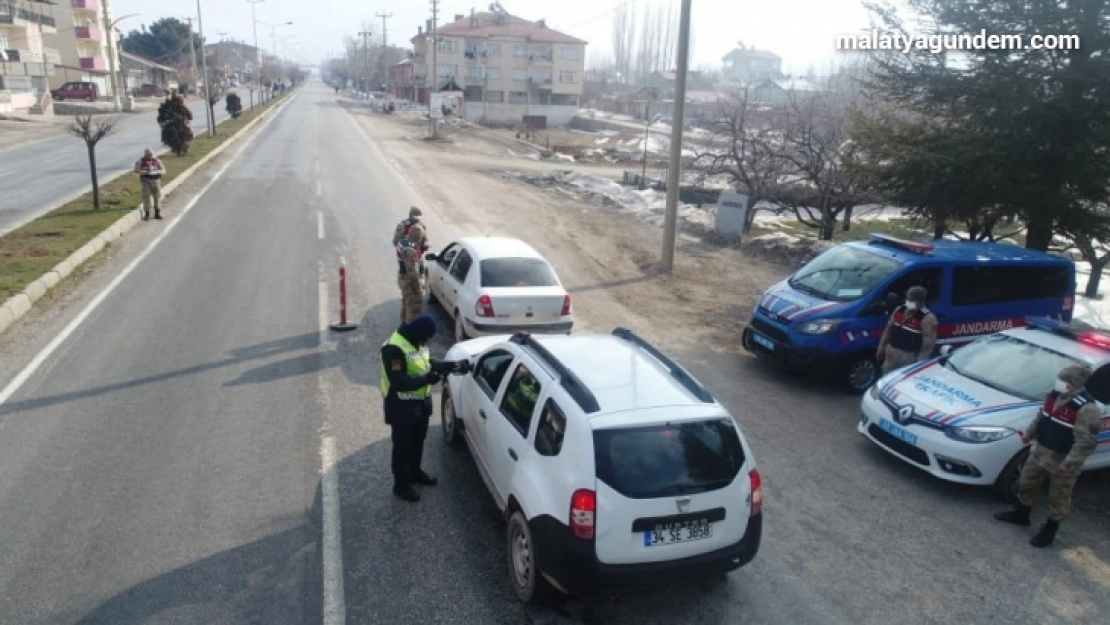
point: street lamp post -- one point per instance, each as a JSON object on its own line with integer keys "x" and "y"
{"x": 257, "y": 54}
{"x": 273, "y": 35}
{"x": 110, "y": 29}
{"x": 207, "y": 80}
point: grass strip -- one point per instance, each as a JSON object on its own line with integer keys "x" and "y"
{"x": 29, "y": 252}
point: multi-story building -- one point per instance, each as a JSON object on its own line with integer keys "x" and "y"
{"x": 237, "y": 59}
{"x": 83, "y": 44}
{"x": 748, "y": 65}
{"x": 512, "y": 71}
{"x": 26, "y": 63}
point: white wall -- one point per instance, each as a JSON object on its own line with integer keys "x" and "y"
{"x": 501, "y": 114}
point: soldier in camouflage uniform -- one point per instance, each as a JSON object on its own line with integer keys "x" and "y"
{"x": 1065, "y": 432}
{"x": 910, "y": 334}
{"x": 410, "y": 278}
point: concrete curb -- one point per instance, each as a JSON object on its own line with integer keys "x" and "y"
{"x": 20, "y": 303}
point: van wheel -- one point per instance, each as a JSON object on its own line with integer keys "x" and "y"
{"x": 528, "y": 583}
{"x": 861, "y": 374}
{"x": 1006, "y": 487}
{"x": 451, "y": 434}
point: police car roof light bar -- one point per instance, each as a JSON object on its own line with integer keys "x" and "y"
{"x": 1085, "y": 335}
{"x": 910, "y": 246}
{"x": 570, "y": 382}
{"x": 677, "y": 372}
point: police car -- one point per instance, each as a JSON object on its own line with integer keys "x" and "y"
{"x": 959, "y": 416}
{"x": 614, "y": 468}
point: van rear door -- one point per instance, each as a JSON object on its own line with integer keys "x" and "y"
{"x": 669, "y": 487}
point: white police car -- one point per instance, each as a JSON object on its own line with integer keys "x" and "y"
{"x": 614, "y": 468}
{"x": 959, "y": 416}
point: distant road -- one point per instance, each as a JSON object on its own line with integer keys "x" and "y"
{"x": 38, "y": 177}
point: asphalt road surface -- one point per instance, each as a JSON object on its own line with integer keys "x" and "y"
{"x": 188, "y": 442}
{"x": 38, "y": 177}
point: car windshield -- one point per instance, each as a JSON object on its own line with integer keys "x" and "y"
{"x": 844, "y": 274}
{"x": 668, "y": 460}
{"x": 512, "y": 272}
{"x": 1010, "y": 365}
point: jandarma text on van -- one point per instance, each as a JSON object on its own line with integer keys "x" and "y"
{"x": 879, "y": 40}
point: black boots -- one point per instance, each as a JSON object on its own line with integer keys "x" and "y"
{"x": 1017, "y": 516}
{"x": 405, "y": 492}
{"x": 146, "y": 215}
{"x": 157, "y": 214}
{"x": 1047, "y": 534}
{"x": 423, "y": 479}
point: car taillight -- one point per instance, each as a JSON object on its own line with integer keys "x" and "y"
{"x": 1068, "y": 303}
{"x": 566, "y": 306}
{"x": 583, "y": 513}
{"x": 484, "y": 307}
{"x": 757, "y": 492}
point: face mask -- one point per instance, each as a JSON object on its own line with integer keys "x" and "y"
{"x": 911, "y": 305}
{"x": 1061, "y": 386}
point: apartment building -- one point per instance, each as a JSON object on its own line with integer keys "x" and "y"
{"x": 510, "y": 70}
{"x": 83, "y": 44}
{"x": 26, "y": 63}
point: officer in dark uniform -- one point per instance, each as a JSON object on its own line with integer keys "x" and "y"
{"x": 910, "y": 334}
{"x": 407, "y": 376}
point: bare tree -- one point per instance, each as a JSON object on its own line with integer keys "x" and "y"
{"x": 91, "y": 131}
{"x": 624, "y": 39}
{"x": 745, "y": 148}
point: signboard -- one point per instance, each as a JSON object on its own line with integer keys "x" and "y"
{"x": 732, "y": 209}
{"x": 436, "y": 109}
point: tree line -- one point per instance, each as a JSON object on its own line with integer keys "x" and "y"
{"x": 991, "y": 143}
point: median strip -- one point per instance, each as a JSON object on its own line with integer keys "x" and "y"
{"x": 41, "y": 254}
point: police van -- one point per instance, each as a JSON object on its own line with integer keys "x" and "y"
{"x": 959, "y": 417}
{"x": 830, "y": 315}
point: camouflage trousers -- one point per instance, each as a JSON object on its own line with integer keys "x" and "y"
{"x": 896, "y": 359}
{"x": 152, "y": 193}
{"x": 1042, "y": 465}
{"x": 412, "y": 297}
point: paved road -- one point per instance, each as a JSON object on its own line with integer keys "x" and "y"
{"x": 38, "y": 177}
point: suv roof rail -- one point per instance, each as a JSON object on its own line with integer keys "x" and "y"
{"x": 677, "y": 372}
{"x": 570, "y": 382}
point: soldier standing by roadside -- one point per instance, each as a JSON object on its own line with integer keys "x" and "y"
{"x": 910, "y": 334}
{"x": 150, "y": 171}
{"x": 1066, "y": 434}
{"x": 410, "y": 277}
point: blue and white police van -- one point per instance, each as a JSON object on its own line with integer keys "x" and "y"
{"x": 959, "y": 416}
{"x": 830, "y": 315}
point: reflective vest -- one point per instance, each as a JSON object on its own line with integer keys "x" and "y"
{"x": 418, "y": 363}
{"x": 149, "y": 168}
{"x": 526, "y": 392}
{"x": 905, "y": 334}
{"x": 1056, "y": 427}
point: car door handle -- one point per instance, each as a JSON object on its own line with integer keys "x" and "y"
{"x": 512, "y": 454}
{"x": 482, "y": 413}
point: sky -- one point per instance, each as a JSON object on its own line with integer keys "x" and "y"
{"x": 803, "y": 32}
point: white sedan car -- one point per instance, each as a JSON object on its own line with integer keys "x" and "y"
{"x": 959, "y": 416}
{"x": 498, "y": 285}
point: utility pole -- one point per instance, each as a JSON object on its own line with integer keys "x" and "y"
{"x": 674, "y": 174}
{"x": 109, "y": 33}
{"x": 204, "y": 62}
{"x": 257, "y": 54}
{"x": 385, "y": 51}
{"x": 435, "y": 68}
{"x": 365, "y": 59}
{"x": 193, "y": 56}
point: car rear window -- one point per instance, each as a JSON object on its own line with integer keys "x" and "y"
{"x": 668, "y": 460}
{"x": 509, "y": 272}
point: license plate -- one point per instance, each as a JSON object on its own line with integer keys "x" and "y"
{"x": 682, "y": 532}
{"x": 898, "y": 432}
{"x": 764, "y": 341}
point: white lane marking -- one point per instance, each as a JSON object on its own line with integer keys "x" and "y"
{"x": 319, "y": 189}
{"x": 320, "y": 224}
{"x": 335, "y": 609}
{"x": 323, "y": 311}
{"x": 66, "y": 332}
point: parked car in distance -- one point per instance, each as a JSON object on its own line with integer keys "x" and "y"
{"x": 615, "y": 469}
{"x": 151, "y": 91}
{"x": 498, "y": 285}
{"x": 87, "y": 91}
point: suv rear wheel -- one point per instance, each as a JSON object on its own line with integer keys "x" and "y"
{"x": 528, "y": 583}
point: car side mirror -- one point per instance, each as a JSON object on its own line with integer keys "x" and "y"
{"x": 432, "y": 257}
{"x": 892, "y": 302}
{"x": 945, "y": 350}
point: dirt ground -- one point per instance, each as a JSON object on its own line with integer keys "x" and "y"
{"x": 594, "y": 248}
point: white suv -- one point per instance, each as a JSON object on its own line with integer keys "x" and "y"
{"x": 615, "y": 468}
